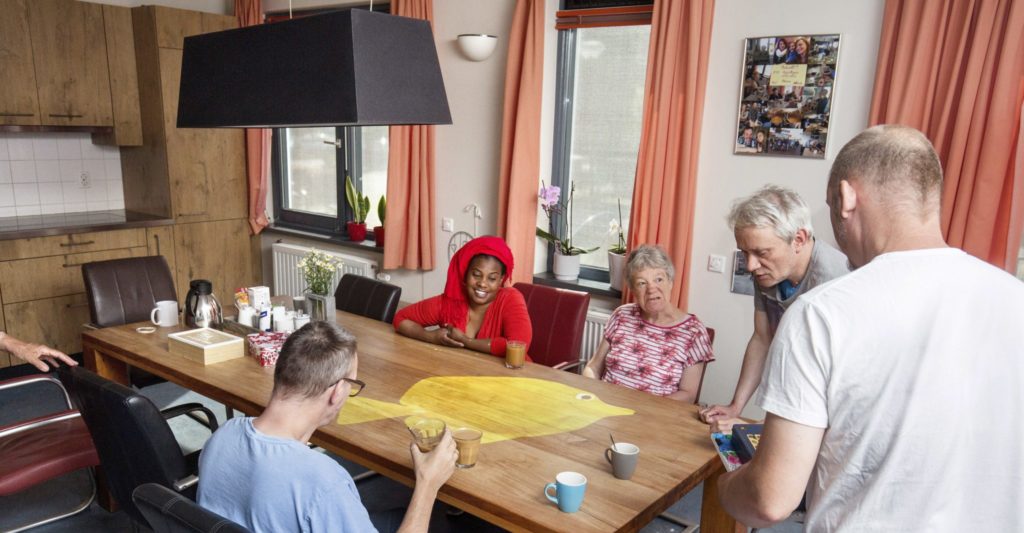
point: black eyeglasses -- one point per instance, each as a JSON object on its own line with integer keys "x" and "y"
{"x": 356, "y": 386}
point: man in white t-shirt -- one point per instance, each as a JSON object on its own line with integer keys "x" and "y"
{"x": 895, "y": 394}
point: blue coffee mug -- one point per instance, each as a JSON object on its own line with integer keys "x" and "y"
{"x": 569, "y": 489}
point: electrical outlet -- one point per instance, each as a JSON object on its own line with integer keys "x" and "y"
{"x": 86, "y": 180}
{"x": 716, "y": 263}
{"x": 448, "y": 225}
{"x": 383, "y": 276}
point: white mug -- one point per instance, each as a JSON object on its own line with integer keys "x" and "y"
{"x": 246, "y": 314}
{"x": 165, "y": 314}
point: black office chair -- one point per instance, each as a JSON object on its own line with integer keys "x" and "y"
{"x": 367, "y": 297}
{"x": 170, "y": 512}
{"x": 134, "y": 442}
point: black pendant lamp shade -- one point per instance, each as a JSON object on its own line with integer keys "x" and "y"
{"x": 343, "y": 68}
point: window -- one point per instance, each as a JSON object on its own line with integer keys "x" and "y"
{"x": 310, "y": 165}
{"x": 600, "y": 85}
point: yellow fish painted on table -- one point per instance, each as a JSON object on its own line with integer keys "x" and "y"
{"x": 503, "y": 408}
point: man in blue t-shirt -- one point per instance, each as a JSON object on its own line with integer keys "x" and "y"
{"x": 259, "y": 471}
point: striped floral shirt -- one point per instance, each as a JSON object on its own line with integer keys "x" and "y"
{"x": 651, "y": 358}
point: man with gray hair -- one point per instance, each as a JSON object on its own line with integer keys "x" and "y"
{"x": 894, "y": 393}
{"x": 773, "y": 231}
{"x": 260, "y": 473}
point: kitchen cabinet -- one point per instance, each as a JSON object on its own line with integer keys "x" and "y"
{"x": 41, "y": 283}
{"x": 221, "y": 252}
{"x": 192, "y": 175}
{"x": 5, "y": 357}
{"x": 69, "y": 53}
{"x": 19, "y": 103}
{"x": 124, "y": 79}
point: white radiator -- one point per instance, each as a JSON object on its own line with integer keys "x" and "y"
{"x": 288, "y": 280}
{"x": 593, "y": 333}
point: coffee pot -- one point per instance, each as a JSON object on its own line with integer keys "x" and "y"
{"x": 202, "y": 309}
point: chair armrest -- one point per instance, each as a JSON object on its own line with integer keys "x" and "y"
{"x": 26, "y": 425}
{"x": 37, "y": 378}
{"x": 574, "y": 366}
{"x": 187, "y": 409}
{"x": 186, "y": 482}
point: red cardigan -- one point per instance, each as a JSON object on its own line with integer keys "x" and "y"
{"x": 506, "y": 319}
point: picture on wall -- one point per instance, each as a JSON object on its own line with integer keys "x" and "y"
{"x": 786, "y": 95}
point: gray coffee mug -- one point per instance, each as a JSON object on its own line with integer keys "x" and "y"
{"x": 623, "y": 457}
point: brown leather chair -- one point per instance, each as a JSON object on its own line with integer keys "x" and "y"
{"x": 41, "y": 446}
{"x": 558, "y": 317}
{"x": 170, "y": 512}
{"x": 122, "y": 291}
{"x": 134, "y": 442}
{"x": 367, "y": 297}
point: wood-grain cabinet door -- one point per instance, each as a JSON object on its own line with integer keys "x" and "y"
{"x": 160, "y": 241}
{"x": 55, "y": 322}
{"x": 19, "y": 103}
{"x": 206, "y": 167}
{"x": 70, "y": 57}
{"x": 220, "y": 251}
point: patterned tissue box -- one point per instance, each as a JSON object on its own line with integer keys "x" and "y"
{"x": 265, "y": 346}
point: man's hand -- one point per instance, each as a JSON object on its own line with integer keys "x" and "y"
{"x": 443, "y": 336}
{"x": 715, "y": 413}
{"x": 434, "y": 468}
{"x": 40, "y": 356}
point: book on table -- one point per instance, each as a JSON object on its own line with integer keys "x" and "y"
{"x": 737, "y": 448}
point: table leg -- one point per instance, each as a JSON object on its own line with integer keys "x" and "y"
{"x": 113, "y": 370}
{"x": 713, "y": 518}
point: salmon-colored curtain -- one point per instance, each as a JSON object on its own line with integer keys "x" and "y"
{"x": 257, "y": 141}
{"x": 666, "y": 168}
{"x": 955, "y": 70}
{"x": 410, "y": 222}
{"x": 520, "y": 135}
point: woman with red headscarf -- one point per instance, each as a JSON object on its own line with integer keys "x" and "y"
{"x": 477, "y": 310}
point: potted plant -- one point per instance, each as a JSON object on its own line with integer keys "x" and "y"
{"x": 566, "y": 262}
{"x": 360, "y": 208}
{"x": 378, "y": 231}
{"x": 318, "y": 270}
{"x": 616, "y": 253}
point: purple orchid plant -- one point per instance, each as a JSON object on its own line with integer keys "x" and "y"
{"x": 561, "y": 234}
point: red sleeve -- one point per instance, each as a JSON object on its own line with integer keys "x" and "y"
{"x": 515, "y": 322}
{"x": 424, "y": 312}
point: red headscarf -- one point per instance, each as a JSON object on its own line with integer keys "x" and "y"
{"x": 454, "y": 308}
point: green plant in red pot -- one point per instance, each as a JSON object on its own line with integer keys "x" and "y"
{"x": 378, "y": 231}
{"x": 360, "y": 208}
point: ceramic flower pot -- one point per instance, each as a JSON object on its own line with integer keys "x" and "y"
{"x": 378, "y": 236}
{"x": 616, "y": 268}
{"x": 357, "y": 231}
{"x": 566, "y": 267}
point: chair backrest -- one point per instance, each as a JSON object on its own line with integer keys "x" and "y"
{"x": 704, "y": 369}
{"x": 170, "y": 512}
{"x": 367, "y": 297}
{"x": 133, "y": 440}
{"x": 121, "y": 291}
{"x": 558, "y": 317}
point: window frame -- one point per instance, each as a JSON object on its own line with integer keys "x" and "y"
{"x": 565, "y": 76}
{"x": 348, "y": 162}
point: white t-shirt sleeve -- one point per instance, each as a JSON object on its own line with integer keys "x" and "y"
{"x": 795, "y": 381}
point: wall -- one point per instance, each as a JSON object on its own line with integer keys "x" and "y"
{"x": 722, "y": 176}
{"x": 41, "y": 174}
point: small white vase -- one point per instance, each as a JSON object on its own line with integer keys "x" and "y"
{"x": 566, "y": 267}
{"x": 616, "y": 267}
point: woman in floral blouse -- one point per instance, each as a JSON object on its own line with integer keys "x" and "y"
{"x": 652, "y": 345}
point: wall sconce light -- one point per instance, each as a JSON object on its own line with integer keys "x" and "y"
{"x": 476, "y": 46}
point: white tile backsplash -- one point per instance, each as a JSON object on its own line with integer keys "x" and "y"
{"x": 23, "y": 171}
{"x": 48, "y": 171}
{"x": 40, "y": 173}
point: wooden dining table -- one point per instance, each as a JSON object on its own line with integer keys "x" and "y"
{"x": 536, "y": 442}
